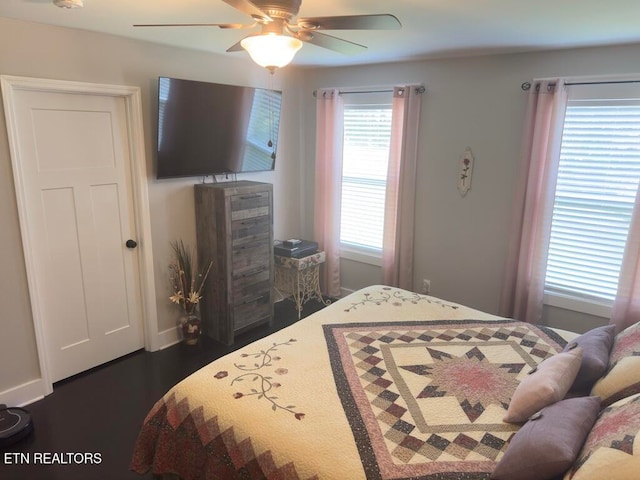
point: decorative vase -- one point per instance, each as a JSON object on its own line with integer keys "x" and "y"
{"x": 190, "y": 325}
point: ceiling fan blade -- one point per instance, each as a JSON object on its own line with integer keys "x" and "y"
{"x": 236, "y": 47}
{"x": 351, "y": 22}
{"x": 234, "y": 26}
{"x": 245, "y": 6}
{"x": 332, "y": 43}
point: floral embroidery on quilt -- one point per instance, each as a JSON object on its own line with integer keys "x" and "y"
{"x": 397, "y": 299}
{"x": 261, "y": 384}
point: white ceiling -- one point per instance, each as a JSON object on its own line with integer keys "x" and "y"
{"x": 431, "y": 28}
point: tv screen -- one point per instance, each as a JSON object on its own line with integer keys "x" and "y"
{"x": 210, "y": 128}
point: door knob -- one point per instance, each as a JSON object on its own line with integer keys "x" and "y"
{"x": 131, "y": 243}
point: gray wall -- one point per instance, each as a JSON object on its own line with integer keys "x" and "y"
{"x": 460, "y": 242}
{"x": 33, "y": 50}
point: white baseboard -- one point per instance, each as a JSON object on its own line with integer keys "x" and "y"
{"x": 23, "y": 394}
{"x": 168, "y": 337}
{"x": 34, "y": 390}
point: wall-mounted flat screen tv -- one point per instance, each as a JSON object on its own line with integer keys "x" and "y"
{"x": 210, "y": 128}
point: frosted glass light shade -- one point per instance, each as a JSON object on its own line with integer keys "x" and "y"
{"x": 68, "y": 3}
{"x": 271, "y": 50}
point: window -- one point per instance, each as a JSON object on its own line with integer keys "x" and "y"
{"x": 598, "y": 177}
{"x": 367, "y": 132}
{"x": 262, "y": 132}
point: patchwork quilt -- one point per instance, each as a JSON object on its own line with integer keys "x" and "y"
{"x": 383, "y": 384}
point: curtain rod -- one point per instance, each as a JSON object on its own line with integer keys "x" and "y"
{"x": 527, "y": 85}
{"x": 419, "y": 90}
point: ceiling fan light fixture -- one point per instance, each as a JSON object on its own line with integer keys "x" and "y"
{"x": 69, "y": 3}
{"x": 271, "y": 50}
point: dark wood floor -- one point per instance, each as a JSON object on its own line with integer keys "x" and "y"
{"x": 100, "y": 411}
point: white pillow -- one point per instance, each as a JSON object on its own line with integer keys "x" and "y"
{"x": 549, "y": 383}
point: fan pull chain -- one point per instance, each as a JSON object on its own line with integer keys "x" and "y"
{"x": 271, "y": 122}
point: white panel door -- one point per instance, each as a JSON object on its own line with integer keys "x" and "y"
{"x": 77, "y": 186}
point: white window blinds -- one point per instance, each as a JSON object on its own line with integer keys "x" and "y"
{"x": 598, "y": 178}
{"x": 367, "y": 130}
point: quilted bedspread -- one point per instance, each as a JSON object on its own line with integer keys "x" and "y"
{"x": 383, "y": 384}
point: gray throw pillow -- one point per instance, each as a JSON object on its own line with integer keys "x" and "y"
{"x": 548, "y": 444}
{"x": 596, "y": 345}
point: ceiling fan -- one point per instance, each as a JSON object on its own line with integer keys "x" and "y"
{"x": 281, "y": 36}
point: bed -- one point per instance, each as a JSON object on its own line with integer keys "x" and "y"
{"x": 382, "y": 384}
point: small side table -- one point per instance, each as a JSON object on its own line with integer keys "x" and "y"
{"x": 300, "y": 277}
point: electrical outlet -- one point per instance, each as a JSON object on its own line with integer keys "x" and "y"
{"x": 426, "y": 286}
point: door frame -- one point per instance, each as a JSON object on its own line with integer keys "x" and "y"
{"x": 133, "y": 116}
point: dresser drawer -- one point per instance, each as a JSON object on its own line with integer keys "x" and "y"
{"x": 250, "y": 205}
{"x": 251, "y": 283}
{"x": 252, "y": 311}
{"x": 250, "y": 229}
{"x": 248, "y": 293}
{"x": 250, "y": 255}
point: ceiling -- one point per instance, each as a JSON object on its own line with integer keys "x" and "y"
{"x": 431, "y": 28}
